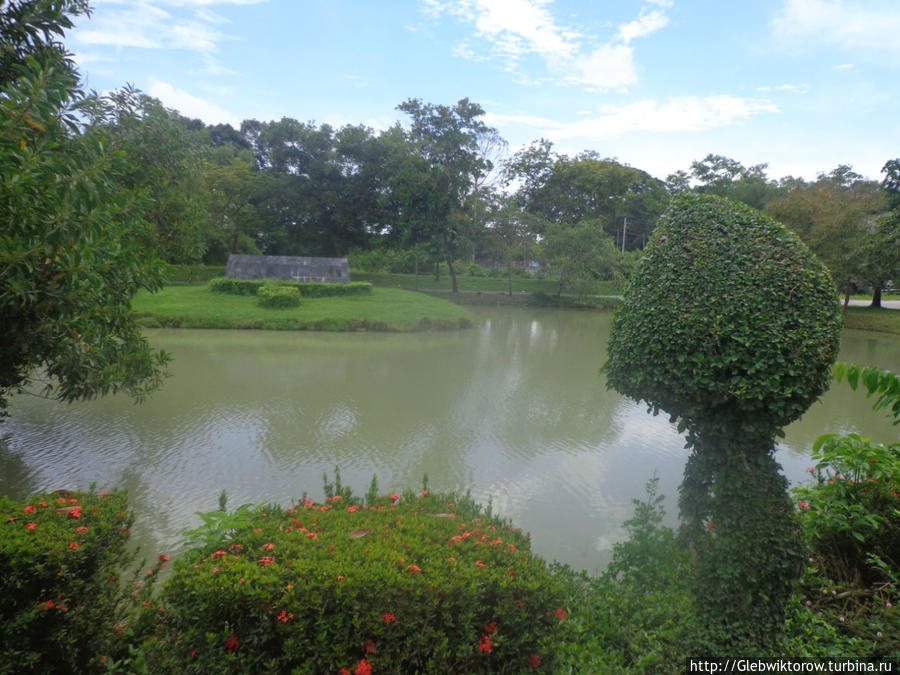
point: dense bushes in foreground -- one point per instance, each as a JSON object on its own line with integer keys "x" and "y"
{"x": 306, "y": 289}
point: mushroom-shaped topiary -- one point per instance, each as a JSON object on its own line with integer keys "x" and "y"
{"x": 730, "y": 324}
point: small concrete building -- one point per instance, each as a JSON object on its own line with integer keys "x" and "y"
{"x": 288, "y": 268}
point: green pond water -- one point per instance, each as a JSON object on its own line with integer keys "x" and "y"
{"x": 513, "y": 410}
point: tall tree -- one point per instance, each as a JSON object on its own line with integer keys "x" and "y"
{"x": 164, "y": 166}
{"x": 450, "y": 140}
{"x": 833, "y": 216}
{"x": 726, "y": 177}
{"x": 70, "y": 258}
{"x": 891, "y": 182}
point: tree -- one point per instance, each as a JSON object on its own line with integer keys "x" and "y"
{"x": 509, "y": 228}
{"x": 451, "y": 143}
{"x": 581, "y": 253}
{"x": 70, "y": 260}
{"x": 730, "y": 325}
{"x": 833, "y": 216}
{"x": 891, "y": 182}
{"x": 881, "y": 254}
{"x": 164, "y": 167}
{"x": 726, "y": 177}
{"x": 559, "y": 189}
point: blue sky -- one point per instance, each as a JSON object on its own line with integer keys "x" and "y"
{"x": 803, "y": 85}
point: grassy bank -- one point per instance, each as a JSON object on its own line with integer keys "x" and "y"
{"x": 880, "y": 320}
{"x": 385, "y": 309}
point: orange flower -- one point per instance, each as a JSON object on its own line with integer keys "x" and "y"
{"x": 266, "y": 561}
{"x": 29, "y": 509}
{"x": 232, "y": 644}
{"x": 31, "y": 526}
{"x": 478, "y": 563}
{"x": 352, "y": 509}
{"x": 219, "y": 554}
{"x": 414, "y": 569}
{"x": 74, "y": 545}
{"x": 269, "y": 547}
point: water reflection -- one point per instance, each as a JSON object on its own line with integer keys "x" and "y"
{"x": 513, "y": 409}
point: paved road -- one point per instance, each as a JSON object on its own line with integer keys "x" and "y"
{"x": 889, "y": 304}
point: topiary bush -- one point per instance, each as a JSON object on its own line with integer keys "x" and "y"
{"x": 62, "y": 608}
{"x": 276, "y": 296}
{"x": 730, "y": 325}
{"x": 419, "y": 583}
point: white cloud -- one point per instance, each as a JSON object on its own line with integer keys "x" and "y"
{"x": 645, "y": 24}
{"x": 869, "y": 27}
{"x": 795, "y": 88}
{"x": 190, "y": 105}
{"x": 510, "y": 30}
{"x": 687, "y": 114}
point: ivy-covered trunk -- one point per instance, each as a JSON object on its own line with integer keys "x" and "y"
{"x": 740, "y": 525}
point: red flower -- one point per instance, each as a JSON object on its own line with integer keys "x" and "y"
{"x": 75, "y": 512}
{"x": 534, "y": 661}
{"x": 74, "y": 546}
{"x": 308, "y": 502}
{"x": 561, "y": 614}
{"x": 219, "y": 554}
{"x": 364, "y": 667}
{"x": 269, "y": 547}
{"x": 81, "y": 530}
{"x": 478, "y": 563}
{"x": 370, "y": 647}
{"x": 485, "y": 644}
{"x": 163, "y": 558}
{"x": 284, "y": 616}
{"x": 394, "y": 496}
{"x": 29, "y": 509}
{"x": 352, "y": 509}
{"x": 336, "y": 498}
{"x": 48, "y": 604}
{"x": 804, "y": 506}
{"x": 232, "y": 644}
{"x": 44, "y": 504}
{"x": 424, "y": 493}
{"x": 345, "y": 671}
{"x": 414, "y": 569}
{"x": 312, "y": 535}
{"x": 103, "y": 494}
{"x": 711, "y": 527}
{"x": 389, "y": 618}
{"x": 31, "y": 526}
{"x": 491, "y": 627}
{"x": 265, "y": 561}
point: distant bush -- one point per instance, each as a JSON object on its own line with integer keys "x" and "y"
{"x": 62, "y": 607}
{"x": 307, "y": 289}
{"x": 418, "y": 583}
{"x": 276, "y": 296}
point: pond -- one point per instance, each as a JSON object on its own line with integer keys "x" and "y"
{"x": 513, "y": 410}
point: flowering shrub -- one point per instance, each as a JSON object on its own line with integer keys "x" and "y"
{"x": 418, "y": 583}
{"x": 61, "y": 606}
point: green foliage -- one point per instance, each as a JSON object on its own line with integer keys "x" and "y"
{"x": 881, "y": 382}
{"x": 70, "y": 261}
{"x": 730, "y": 324}
{"x": 62, "y": 607}
{"x": 277, "y": 296}
{"x": 418, "y": 583}
{"x": 638, "y": 616}
{"x": 307, "y": 289}
{"x": 193, "y": 273}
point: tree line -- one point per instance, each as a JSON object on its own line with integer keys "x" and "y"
{"x": 99, "y": 191}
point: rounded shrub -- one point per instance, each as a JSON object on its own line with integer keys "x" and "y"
{"x": 729, "y": 324}
{"x": 422, "y": 583}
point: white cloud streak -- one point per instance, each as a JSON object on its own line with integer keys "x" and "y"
{"x": 686, "y": 114}
{"x": 645, "y": 24}
{"x": 869, "y": 27}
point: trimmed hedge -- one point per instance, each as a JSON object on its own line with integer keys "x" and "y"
{"x": 277, "y": 297}
{"x": 307, "y": 289}
{"x": 422, "y": 583}
{"x": 62, "y": 608}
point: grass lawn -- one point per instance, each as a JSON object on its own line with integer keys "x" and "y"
{"x": 469, "y": 283}
{"x": 384, "y": 309}
{"x": 882, "y": 320}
